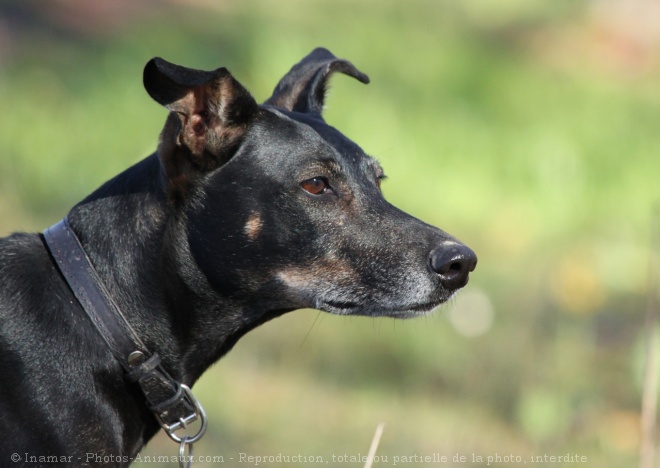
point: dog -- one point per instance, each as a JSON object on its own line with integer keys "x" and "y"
{"x": 244, "y": 212}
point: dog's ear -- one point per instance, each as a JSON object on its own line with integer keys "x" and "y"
{"x": 303, "y": 88}
{"x": 210, "y": 113}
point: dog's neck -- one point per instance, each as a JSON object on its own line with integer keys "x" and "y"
{"x": 137, "y": 241}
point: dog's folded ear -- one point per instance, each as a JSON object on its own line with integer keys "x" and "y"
{"x": 210, "y": 113}
{"x": 303, "y": 89}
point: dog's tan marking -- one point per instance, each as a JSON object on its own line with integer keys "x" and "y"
{"x": 253, "y": 226}
{"x": 319, "y": 272}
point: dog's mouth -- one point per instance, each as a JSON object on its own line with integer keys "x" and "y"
{"x": 398, "y": 311}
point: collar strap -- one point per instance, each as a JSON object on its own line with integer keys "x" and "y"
{"x": 172, "y": 403}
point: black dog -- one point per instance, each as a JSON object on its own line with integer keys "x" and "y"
{"x": 245, "y": 212}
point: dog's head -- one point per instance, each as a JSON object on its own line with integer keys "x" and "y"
{"x": 282, "y": 209}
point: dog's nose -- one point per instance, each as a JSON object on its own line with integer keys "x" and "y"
{"x": 453, "y": 262}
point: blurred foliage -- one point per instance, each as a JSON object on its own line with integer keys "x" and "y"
{"x": 527, "y": 129}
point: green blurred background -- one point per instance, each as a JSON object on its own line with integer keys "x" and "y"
{"x": 526, "y": 128}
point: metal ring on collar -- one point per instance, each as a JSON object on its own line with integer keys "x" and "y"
{"x": 182, "y": 453}
{"x": 199, "y": 413}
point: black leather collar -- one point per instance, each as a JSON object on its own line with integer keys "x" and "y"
{"x": 172, "y": 403}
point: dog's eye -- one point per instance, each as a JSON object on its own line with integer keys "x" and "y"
{"x": 315, "y": 185}
{"x": 380, "y": 179}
